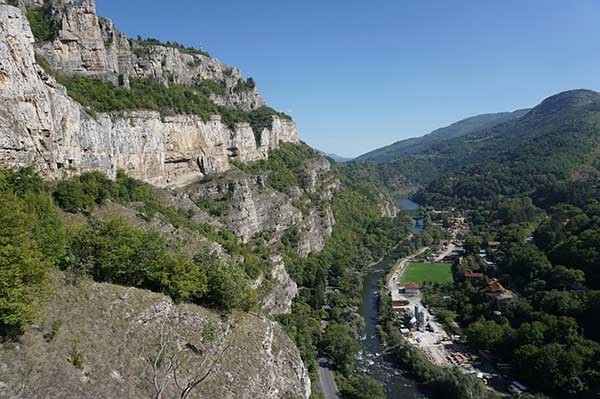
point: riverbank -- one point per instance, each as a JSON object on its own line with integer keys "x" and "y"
{"x": 430, "y": 341}
{"x": 438, "y": 382}
{"x": 372, "y": 360}
{"x": 422, "y": 354}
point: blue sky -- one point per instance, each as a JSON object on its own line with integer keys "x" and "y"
{"x": 357, "y": 75}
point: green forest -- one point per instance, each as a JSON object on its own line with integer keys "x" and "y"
{"x": 40, "y": 240}
{"x": 549, "y": 334}
{"x": 530, "y": 183}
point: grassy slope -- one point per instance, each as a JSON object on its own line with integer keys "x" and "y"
{"x": 99, "y": 334}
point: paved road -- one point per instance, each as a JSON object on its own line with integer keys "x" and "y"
{"x": 327, "y": 381}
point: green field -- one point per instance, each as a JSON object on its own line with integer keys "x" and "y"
{"x": 433, "y": 272}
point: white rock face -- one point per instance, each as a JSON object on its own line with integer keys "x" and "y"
{"x": 40, "y": 125}
{"x": 279, "y": 299}
{"x": 90, "y": 45}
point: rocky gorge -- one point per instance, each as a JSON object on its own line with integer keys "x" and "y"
{"x": 197, "y": 166}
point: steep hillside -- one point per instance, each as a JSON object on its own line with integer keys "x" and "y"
{"x": 556, "y": 140}
{"x": 159, "y": 216}
{"x": 81, "y": 103}
{"x": 458, "y": 129}
{"x": 101, "y": 340}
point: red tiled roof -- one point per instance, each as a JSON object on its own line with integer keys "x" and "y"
{"x": 496, "y": 288}
{"x": 412, "y": 286}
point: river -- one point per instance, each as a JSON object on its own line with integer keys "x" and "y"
{"x": 371, "y": 359}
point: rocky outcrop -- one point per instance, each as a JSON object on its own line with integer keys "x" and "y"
{"x": 171, "y": 65}
{"x": 317, "y": 227}
{"x": 319, "y": 185}
{"x": 283, "y": 290}
{"x": 85, "y": 44}
{"x": 90, "y": 45}
{"x": 40, "y": 125}
{"x": 100, "y": 340}
{"x": 249, "y": 207}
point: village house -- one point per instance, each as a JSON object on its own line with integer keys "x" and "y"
{"x": 474, "y": 278}
{"x": 399, "y": 304}
{"x": 498, "y": 292}
{"x": 410, "y": 289}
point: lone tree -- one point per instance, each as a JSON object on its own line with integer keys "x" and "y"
{"x": 176, "y": 361}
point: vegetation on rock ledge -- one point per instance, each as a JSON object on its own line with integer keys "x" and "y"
{"x": 43, "y": 26}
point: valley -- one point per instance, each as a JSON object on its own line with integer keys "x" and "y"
{"x": 166, "y": 233}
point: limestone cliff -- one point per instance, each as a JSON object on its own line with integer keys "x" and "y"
{"x": 248, "y": 206}
{"x": 90, "y": 45}
{"x": 103, "y": 341}
{"x": 40, "y": 125}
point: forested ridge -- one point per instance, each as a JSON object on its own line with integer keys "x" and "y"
{"x": 555, "y": 141}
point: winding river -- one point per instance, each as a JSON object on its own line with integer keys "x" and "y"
{"x": 371, "y": 360}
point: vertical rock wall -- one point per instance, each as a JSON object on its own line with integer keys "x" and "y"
{"x": 40, "y": 125}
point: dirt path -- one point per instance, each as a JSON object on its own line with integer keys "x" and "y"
{"x": 396, "y": 275}
{"x": 428, "y": 342}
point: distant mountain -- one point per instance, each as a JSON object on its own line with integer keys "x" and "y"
{"x": 558, "y": 140}
{"x": 335, "y": 157}
{"x": 461, "y": 128}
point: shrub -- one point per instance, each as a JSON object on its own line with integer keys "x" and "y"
{"x": 43, "y": 25}
{"x": 360, "y": 386}
{"x": 211, "y": 86}
{"x": 115, "y": 252}
{"x": 244, "y": 85}
{"x": 24, "y": 270}
{"x": 141, "y": 43}
{"x": 285, "y": 166}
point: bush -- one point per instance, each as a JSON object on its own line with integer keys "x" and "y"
{"x": 284, "y": 167}
{"x": 342, "y": 346}
{"x": 362, "y": 387}
{"x": 84, "y": 192}
{"x": 228, "y": 287}
{"x": 210, "y": 86}
{"x": 43, "y": 25}
{"x": 115, "y": 252}
{"x": 244, "y": 85}
{"x": 142, "y": 43}
{"x": 32, "y": 240}
{"x": 24, "y": 270}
